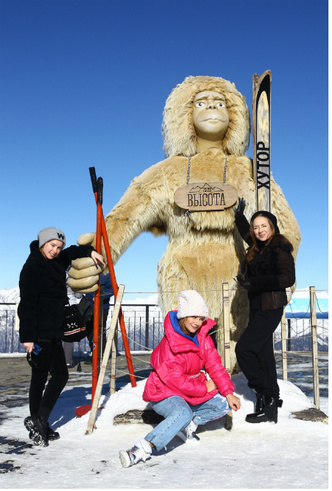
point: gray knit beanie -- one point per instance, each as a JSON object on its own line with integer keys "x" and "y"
{"x": 51, "y": 233}
{"x": 191, "y": 304}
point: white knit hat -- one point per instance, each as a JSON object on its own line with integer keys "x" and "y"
{"x": 51, "y": 233}
{"x": 191, "y": 304}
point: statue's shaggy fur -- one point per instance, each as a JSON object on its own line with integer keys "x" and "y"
{"x": 204, "y": 248}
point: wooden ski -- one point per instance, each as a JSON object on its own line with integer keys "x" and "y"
{"x": 261, "y": 118}
{"x": 103, "y": 368}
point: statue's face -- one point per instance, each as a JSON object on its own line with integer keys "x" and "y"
{"x": 210, "y": 115}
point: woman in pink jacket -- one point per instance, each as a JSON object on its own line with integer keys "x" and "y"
{"x": 178, "y": 388}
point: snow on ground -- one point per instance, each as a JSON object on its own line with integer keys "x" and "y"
{"x": 292, "y": 454}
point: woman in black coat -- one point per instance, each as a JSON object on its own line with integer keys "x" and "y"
{"x": 43, "y": 296}
{"x": 268, "y": 270}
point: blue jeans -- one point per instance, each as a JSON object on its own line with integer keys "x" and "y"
{"x": 178, "y": 413}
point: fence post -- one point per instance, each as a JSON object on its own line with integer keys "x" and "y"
{"x": 147, "y": 322}
{"x": 289, "y": 344}
{"x": 313, "y": 319}
{"x": 6, "y": 331}
{"x": 283, "y": 346}
{"x": 17, "y": 327}
{"x": 227, "y": 344}
{"x": 113, "y": 367}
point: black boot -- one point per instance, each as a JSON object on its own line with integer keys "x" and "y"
{"x": 258, "y": 407}
{"x": 51, "y": 434}
{"x": 37, "y": 427}
{"x": 259, "y": 402}
{"x": 268, "y": 413}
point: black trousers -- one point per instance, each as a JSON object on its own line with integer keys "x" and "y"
{"x": 51, "y": 359}
{"x": 254, "y": 351}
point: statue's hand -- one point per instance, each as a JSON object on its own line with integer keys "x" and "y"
{"x": 83, "y": 274}
{"x": 89, "y": 238}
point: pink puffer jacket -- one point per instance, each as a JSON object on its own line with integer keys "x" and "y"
{"x": 177, "y": 363}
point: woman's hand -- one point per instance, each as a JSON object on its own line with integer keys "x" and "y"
{"x": 245, "y": 283}
{"x": 233, "y": 401}
{"x": 98, "y": 258}
{"x": 210, "y": 385}
{"x": 28, "y": 347}
{"x": 240, "y": 207}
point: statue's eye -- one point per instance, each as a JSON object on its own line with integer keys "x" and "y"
{"x": 221, "y": 104}
{"x": 199, "y": 104}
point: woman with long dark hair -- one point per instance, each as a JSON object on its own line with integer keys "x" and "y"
{"x": 267, "y": 271}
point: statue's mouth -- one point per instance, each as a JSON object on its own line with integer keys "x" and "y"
{"x": 213, "y": 119}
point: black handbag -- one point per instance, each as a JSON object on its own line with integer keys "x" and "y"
{"x": 85, "y": 308}
{"x": 76, "y": 318}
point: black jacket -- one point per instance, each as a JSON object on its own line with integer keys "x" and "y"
{"x": 43, "y": 293}
{"x": 271, "y": 271}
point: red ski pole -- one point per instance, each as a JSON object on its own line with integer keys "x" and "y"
{"x": 113, "y": 281}
{"x": 80, "y": 411}
{"x": 95, "y": 351}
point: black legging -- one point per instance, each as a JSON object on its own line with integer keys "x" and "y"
{"x": 50, "y": 359}
{"x": 254, "y": 351}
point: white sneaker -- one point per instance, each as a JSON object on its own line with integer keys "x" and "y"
{"x": 188, "y": 434}
{"x": 136, "y": 454}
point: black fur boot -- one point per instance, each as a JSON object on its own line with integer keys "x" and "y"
{"x": 267, "y": 410}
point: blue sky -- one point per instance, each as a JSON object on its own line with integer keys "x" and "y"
{"x": 84, "y": 82}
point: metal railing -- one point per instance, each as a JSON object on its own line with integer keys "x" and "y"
{"x": 144, "y": 326}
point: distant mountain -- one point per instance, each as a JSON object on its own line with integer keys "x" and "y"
{"x": 11, "y": 295}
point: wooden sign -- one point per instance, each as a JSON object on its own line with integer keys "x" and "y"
{"x": 206, "y": 196}
{"x": 261, "y": 110}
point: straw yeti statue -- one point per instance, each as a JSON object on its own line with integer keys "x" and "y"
{"x": 204, "y": 248}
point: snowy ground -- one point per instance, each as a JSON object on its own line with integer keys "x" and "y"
{"x": 292, "y": 454}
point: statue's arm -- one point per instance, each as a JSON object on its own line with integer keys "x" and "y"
{"x": 136, "y": 212}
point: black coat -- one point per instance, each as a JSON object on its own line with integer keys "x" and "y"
{"x": 43, "y": 293}
{"x": 271, "y": 271}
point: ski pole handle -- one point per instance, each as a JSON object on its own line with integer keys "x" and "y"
{"x": 100, "y": 184}
{"x": 93, "y": 178}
